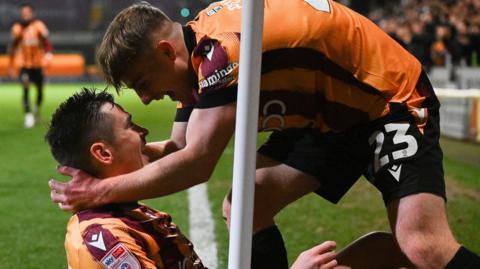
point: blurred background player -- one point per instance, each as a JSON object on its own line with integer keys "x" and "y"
{"x": 29, "y": 35}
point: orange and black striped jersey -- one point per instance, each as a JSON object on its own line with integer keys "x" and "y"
{"x": 127, "y": 236}
{"x": 323, "y": 65}
{"x": 31, "y": 42}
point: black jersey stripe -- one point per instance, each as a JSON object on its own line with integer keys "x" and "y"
{"x": 287, "y": 58}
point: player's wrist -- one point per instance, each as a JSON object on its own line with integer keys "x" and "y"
{"x": 103, "y": 193}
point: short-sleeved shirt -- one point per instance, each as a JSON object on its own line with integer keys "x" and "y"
{"x": 324, "y": 66}
{"x": 127, "y": 236}
{"x": 31, "y": 38}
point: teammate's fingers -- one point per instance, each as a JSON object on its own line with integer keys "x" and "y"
{"x": 61, "y": 201}
{"x": 324, "y": 247}
{"x": 67, "y": 170}
{"x": 57, "y": 197}
{"x": 57, "y": 186}
{"x": 65, "y": 207}
{"x": 327, "y": 257}
{"x": 329, "y": 265}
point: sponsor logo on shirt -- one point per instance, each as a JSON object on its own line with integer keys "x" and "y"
{"x": 125, "y": 266}
{"x": 120, "y": 257}
{"x": 274, "y": 121}
{"x": 219, "y": 77}
{"x": 118, "y": 252}
{"x": 214, "y": 10}
{"x": 97, "y": 241}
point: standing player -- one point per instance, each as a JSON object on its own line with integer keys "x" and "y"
{"x": 30, "y": 36}
{"x": 342, "y": 98}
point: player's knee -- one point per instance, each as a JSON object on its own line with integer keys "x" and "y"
{"x": 423, "y": 253}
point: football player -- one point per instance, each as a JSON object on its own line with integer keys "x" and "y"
{"x": 30, "y": 38}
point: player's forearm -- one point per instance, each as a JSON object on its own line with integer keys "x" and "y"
{"x": 157, "y": 150}
{"x": 173, "y": 173}
{"x": 47, "y": 45}
{"x": 11, "y": 52}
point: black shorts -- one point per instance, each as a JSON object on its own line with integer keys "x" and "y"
{"x": 390, "y": 152}
{"x": 34, "y": 75}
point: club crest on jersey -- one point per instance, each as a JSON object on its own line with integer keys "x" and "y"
{"x": 120, "y": 257}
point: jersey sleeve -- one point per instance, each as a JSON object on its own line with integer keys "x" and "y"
{"x": 81, "y": 258}
{"x": 41, "y": 28}
{"x": 183, "y": 113}
{"x": 216, "y": 62}
{"x": 112, "y": 247}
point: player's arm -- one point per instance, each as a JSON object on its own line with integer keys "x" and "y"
{"x": 44, "y": 39}
{"x": 157, "y": 150}
{"x": 207, "y": 135}
{"x": 320, "y": 256}
{"x": 16, "y": 36}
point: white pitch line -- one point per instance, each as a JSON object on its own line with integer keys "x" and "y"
{"x": 202, "y": 229}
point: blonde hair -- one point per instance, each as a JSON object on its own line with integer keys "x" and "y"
{"x": 127, "y": 36}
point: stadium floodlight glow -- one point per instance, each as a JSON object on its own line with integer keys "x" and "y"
{"x": 243, "y": 186}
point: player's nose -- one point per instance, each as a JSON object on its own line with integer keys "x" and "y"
{"x": 141, "y": 130}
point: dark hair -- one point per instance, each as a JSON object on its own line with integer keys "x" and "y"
{"x": 22, "y": 5}
{"x": 126, "y": 37}
{"x": 76, "y": 124}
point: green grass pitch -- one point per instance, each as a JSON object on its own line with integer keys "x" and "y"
{"x": 32, "y": 228}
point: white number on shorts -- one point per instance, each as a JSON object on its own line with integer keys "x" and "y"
{"x": 320, "y": 5}
{"x": 400, "y": 136}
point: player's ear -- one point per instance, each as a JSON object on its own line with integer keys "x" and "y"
{"x": 166, "y": 47}
{"x": 101, "y": 153}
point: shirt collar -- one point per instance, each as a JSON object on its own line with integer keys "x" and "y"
{"x": 189, "y": 37}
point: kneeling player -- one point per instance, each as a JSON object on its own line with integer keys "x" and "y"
{"x": 91, "y": 132}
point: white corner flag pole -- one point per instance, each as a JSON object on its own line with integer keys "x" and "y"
{"x": 243, "y": 185}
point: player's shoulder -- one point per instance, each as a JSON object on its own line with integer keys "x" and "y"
{"x": 91, "y": 220}
{"x": 38, "y": 22}
{"x": 16, "y": 27}
{"x": 39, "y": 25}
{"x": 219, "y": 14}
{"x": 112, "y": 236}
{"x": 108, "y": 243}
{"x": 215, "y": 60}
